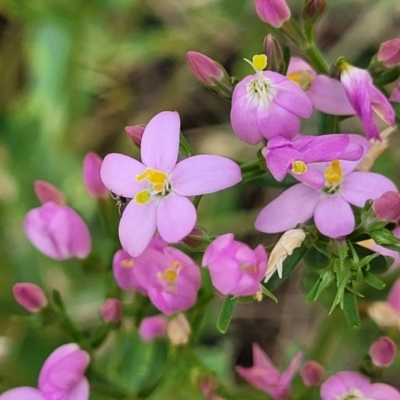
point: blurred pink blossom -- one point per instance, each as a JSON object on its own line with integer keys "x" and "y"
{"x": 383, "y": 351}
{"x": 91, "y": 176}
{"x": 312, "y": 373}
{"x": 111, "y": 310}
{"x": 45, "y": 192}
{"x": 389, "y": 53}
{"x": 273, "y": 12}
{"x": 30, "y": 296}
{"x": 153, "y": 327}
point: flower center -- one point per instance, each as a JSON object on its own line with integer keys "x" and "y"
{"x": 333, "y": 177}
{"x": 248, "y": 268}
{"x": 354, "y": 394}
{"x": 170, "y": 275}
{"x": 159, "y": 185}
{"x": 299, "y": 167}
{"x": 127, "y": 263}
{"x": 304, "y": 79}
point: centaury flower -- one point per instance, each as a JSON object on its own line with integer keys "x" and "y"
{"x": 159, "y": 186}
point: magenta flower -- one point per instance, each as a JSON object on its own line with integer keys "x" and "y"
{"x": 266, "y": 377}
{"x": 267, "y": 104}
{"x": 292, "y": 156}
{"x": 111, "y": 310}
{"x": 273, "y": 12}
{"x": 30, "y": 296}
{"x": 353, "y": 385}
{"x": 329, "y": 204}
{"x": 91, "y": 176}
{"x": 389, "y": 53}
{"x": 159, "y": 186}
{"x": 366, "y": 99}
{"x": 325, "y": 93}
{"x": 61, "y": 377}
{"x": 58, "y": 232}
{"x": 153, "y": 327}
{"x": 234, "y": 267}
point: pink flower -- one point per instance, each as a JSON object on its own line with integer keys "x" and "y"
{"x": 61, "y": 377}
{"x": 91, "y": 176}
{"x": 58, "y": 232}
{"x": 153, "y": 327}
{"x": 159, "y": 186}
{"x": 353, "y": 385}
{"x": 325, "y": 93}
{"x": 383, "y": 351}
{"x": 329, "y": 204}
{"x": 266, "y": 377}
{"x": 366, "y": 99}
{"x": 267, "y": 104}
{"x": 234, "y": 267}
{"x": 171, "y": 278}
{"x": 30, "y": 296}
{"x": 389, "y": 53}
{"x": 312, "y": 373}
{"x": 273, "y": 12}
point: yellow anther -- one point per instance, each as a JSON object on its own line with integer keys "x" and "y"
{"x": 259, "y": 62}
{"x": 170, "y": 275}
{"x": 157, "y": 176}
{"x": 299, "y": 167}
{"x": 127, "y": 263}
{"x": 142, "y": 197}
{"x": 333, "y": 173}
{"x": 304, "y": 79}
{"x": 259, "y": 295}
{"x": 144, "y": 175}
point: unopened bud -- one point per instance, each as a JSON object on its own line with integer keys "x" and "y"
{"x": 383, "y": 351}
{"x": 135, "y": 132}
{"x": 387, "y": 207}
{"x": 389, "y": 53}
{"x": 313, "y": 10}
{"x": 45, "y": 192}
{"x": 274, "y": 54}
{"x": 178, "y": 330}
{"x": 30, "y": 296}
{"x": 273, "y": 12}
{"x": 91, "y": 176}
{"x": 111, "y": 310}
{"x": 312, "y": 373}
{"x": 153, "y": 327}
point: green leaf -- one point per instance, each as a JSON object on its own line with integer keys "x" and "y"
{"x": 315, "y": 259}
{"x": 58, "y": 301}
{"x": 377, "y": 265}
{"x": 350, "y": 309}
{"x": 226, "y": 313}
{"x": 269, "y": 294}
{"x": 373, "y": 281}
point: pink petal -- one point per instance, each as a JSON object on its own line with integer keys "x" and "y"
{"x": 291, "y": 370}
{"x": 80, "y": 391}
{"x": 381, "y": 106}
{"x": 204, "y": 174}
{"x": 118, "y": 174}
{"x": 294, "y": 206}
{"x": 176, "y": 217}
{"x": 394, "y": 296}
{"x": 358, "y": 187}
{"x": 80, "y": 241}
{"x": 338, "y": 385}
{"x": 22, "y": 393}
{"x": 261, "y": 359}
{"x": 273, "y": 12}
{"x": 297, "y": 64}
{"x": 160, "y": 141}
{"x": 334, "y": 217}
{"x": 382, "y": 391}
{"x": 137, "y": 227}
{"x": 395, "y": 96}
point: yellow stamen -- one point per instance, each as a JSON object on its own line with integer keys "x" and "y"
{"x": 142, "y": 197}
{"x": 259, "y": 62}
{"x": 170, "y": 275}
{"x": 259, "y": 295}
{"x": 299, "y": 167}
{"x": 127, "y": 263}
{"x": 158, "y": 179}
{"x": 333, "y": 173}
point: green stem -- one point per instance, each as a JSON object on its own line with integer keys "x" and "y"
{"x": 185, "y": 147}
{"x": 317, "y": 59}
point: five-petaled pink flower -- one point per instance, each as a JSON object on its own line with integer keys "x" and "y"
{"x": 159, "y": 186}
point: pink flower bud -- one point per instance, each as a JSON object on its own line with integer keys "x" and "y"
{"x": 152, "y": 327}
{"x": 111, "y": 310}
{"x": 312, "y": 373}
{"x": 273, "y": 12}
{"x": 395, "y": 96}
{"x": 387, "y": 207}
{"x": 58, "y": 232}
{"x": 30, "y": 296}
{"x": 205, "y": 69}
{"x": 91, "y": 176}
{"x": 45, "y": 192}
{"x": 383, "y": 351}
{"x": 389, "y": 53}
{"x": 178, "y": 330}
{"x": 274, "y": 53}
{"x": 135, "y": 132}
{"x": 313, "y": 9}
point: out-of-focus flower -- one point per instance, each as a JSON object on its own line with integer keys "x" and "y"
{"x": 266, "y": 377}
{"x": 395, "y": 96}
{"x": 330, "y": 204}
{"x": 273, "y": 12}
{"x": 58, "y": 232}
{"x": 178, "y": 330}
{"x": 91, "y": 176}
{"x": 366, "y": 99}
{"x": 325, "y": 93}
{"x": 267, "y": 104}
{"x": 387, "y": 206}
{"x": 159, "y": 186}
{"x": 61, "y": 377}
{"x": 290, "y": 240}
{"x": 153, "y": 327}
{"x": 30, "y": 296}
{"x": 383, "y": 351}
{"x": 353, "y": 385}
{"x": 312, "y": 373}
{"x": 45, "y": 192}
{"x": 389, "y": 53}
{"x": 234, "y": 267}
{"x": 135, "y": 132}
{"x": 111, "y": 310}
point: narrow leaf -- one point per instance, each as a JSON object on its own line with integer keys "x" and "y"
{"x": 226, "y": 313}
{"x": 350, "y": 309}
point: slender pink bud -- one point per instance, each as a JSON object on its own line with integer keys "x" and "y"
{"x": 387, "y": 207}
{"x": 383, "y": 351}
{"x": 111, "y": 310}
{"x": 389, "y": 53}
{"x": 30, "y": 296}
{"x": 274, "y": 54}
{"x": 205, "y": 69}
{"x": 152, "y": 327}
{"x": 312, "y": 373}
{"x": 273, "y": 12}
{"x": 45, "y": 192}
{"x": 395, "y": 96}
{"x": 91, "y": 176}
{"x": 314, "y": 9}
{"x": 135, "y": 132}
